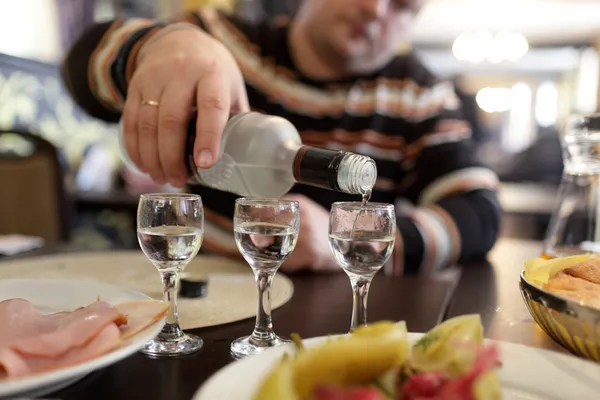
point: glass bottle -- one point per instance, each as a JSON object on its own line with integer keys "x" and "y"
{"x": 263, "y": 156}
{"x": 575, "y": 223}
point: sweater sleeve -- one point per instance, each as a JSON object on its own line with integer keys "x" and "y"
{"x": 451, "y": 212}
{"x": 97, "y": 70}
{"x": 98, "y": 67}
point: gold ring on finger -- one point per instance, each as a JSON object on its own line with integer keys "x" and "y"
{"x": 152, "y": 103}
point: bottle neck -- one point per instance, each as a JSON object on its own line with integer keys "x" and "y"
{"x": 334, "y": 170}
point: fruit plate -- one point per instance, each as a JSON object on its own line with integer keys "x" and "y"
{"x": 527, "y": 373}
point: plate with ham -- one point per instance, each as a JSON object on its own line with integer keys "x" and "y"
{"x": 54, "y": 332}
{"x": 383, "y": 361}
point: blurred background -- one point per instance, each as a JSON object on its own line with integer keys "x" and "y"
{"x": 519, "y": 66}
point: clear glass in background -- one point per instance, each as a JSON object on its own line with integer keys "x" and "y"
{"x": 170, "y": 228}
{"x": 265, "y": 233}
{"x": 575, "y": 224}
{"x": 361, "y": 239}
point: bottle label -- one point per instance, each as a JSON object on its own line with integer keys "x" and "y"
{"x": 318, "y": 167}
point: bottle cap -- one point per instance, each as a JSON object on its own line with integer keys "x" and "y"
{"x": 358, "y": 174}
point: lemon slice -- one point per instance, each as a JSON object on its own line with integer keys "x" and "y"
{"x": 279, "y": 384}
{"x": 534, "y": 264}
{"x": 359, "y": 358}
{"x": 487, "y": 387}
{"x": 451, "y": 346}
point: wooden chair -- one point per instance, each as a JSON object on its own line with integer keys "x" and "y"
{"x": 33, "y": 198}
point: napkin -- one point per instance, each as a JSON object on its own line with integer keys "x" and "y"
{"x": 15, "y": 244}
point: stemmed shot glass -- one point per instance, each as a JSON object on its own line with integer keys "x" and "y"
{"x": 170, "y": 227}
{"x": 361, "y": 238}
{"x": 265, "y": 233}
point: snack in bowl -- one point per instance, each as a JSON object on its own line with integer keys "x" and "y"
{"x": 375, "y": 362}
{"x": 31, "y": 343}
{"x": 575, "y": 277}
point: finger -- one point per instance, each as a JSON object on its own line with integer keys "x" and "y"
{"x": 327, "y": 267}
{"x": 213, "y": 103}
{"x": 262, "y": 241}
{"x": 239, "y": 102}
{"x": 293, "y": 197}
{"x": 291, "y": 265}
{"x": 130, "y": 130}
{"x": 148, "y": 135}
{"x": 296, "y": 261}
{"x": 173, "y": 117}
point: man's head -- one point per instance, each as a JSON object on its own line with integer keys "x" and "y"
{"x": 357, "y": 32}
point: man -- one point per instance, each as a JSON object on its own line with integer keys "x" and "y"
{"x": 334, "y": 73}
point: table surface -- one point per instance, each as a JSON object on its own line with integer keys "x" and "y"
{"x": 492, "y": 290}
{"x": 322, "y": 305}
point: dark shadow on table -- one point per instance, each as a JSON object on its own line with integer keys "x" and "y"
{"x": 476, "y": 293}
{"x": 491, "y": 289}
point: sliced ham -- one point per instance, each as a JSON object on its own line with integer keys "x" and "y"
{"x": 16, "y": 364}
{"x": 140, "y": 314}
{"x": 69, "y": 331}
{"x": 29, "y": 337}
{"x": 31, "y": 343}
{"x": 19, "y": 319}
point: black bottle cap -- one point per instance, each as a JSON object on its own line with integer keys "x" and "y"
{"x": 193, "y": 289}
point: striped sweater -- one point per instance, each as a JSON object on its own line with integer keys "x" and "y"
{"x": 408, "y": 121}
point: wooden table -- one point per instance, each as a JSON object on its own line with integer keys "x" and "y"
{"x": 492, "y": 290}
{"x": 321, "y": 305}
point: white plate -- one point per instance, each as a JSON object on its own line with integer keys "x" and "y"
{"x": 527, "y": 373}
{"x": 53, "y": 295}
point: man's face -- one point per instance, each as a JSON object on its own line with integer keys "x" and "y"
{"x": 359, "y": 30}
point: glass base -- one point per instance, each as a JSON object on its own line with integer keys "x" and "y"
{"x": 244, "y": 346}
{"x": 185, "y": 344}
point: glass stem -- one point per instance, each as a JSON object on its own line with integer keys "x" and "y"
{"x": 360, "y": 292}
{"x": 263, "y": 328}
{"x": 171, "y": 330}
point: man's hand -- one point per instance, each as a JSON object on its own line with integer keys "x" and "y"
{"x": 312, "y": 248}
{"x": 179, "y": 70}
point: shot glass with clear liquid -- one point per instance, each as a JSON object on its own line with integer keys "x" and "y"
{"x": 361, "y": 237}
{"x": 265, "y": 233}
{"x": 170, "y": 228}
{"x": 575, "y": 224}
